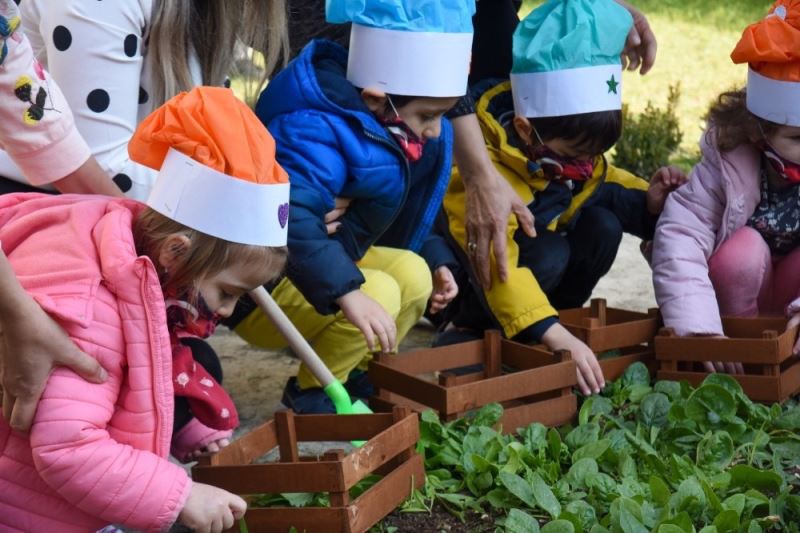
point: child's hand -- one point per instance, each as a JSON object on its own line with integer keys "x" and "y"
{"x": 590, "y": 376}
{"x": 664, "y": 181}
{"x": 371, "y": 318}
{"x": 212, "y": 510}
{"x": 445, "y": 289}
{"x": 332, "y": 217}
{"x": 723, "y": 367}
{"x": 794, "y": 321}
{"x": 211, "y": 447}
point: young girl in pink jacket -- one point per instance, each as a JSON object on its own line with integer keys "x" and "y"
{"x": 127, "y": 281}
{"x": 727, "y": 242}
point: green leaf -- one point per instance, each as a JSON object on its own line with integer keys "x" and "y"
{"x": 637, "y": 392}
{"x": 710, "y": 405}
{"x": 689, "y": 497}
{"x": 554, "y": 445}
{"x": 500, "y": 498}
{"x": 298, "y": 499}
{"x": 579, "y": 471}
{"x": 558, "y": 526}
{"x": 488, "y": 415}
{"x": 584, "y": 512}
{"x": 715, "y": 451}
{"x": 659, "y": 491}
{"x": 672, "y": 389}
{"x": 521, "y": 522}
{"x": 749, "y": 477}
{"x": 518, "y": 487}
{"x": 544, "y": 496}
{"x": 709, "y": 529}
{"x": 735, "y": 503}
{"x": 626, "y": 515}
{"x": 654, "y": 410}
{"x": 592, "y": 450}
{"x": 727, "y": 522}
{"x": 636, "y": 374}
{"x": 669, "y": 528}
{"x": 582, "y": 435}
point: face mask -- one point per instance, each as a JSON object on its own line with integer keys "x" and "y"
{"x": 557, "y": 167}
{"x": 196, "y": 320}
{"x": 786, "y": 168}
{"x": 411, "y": 143}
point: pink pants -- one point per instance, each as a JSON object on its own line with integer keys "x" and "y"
{"x": 749, "y": 281}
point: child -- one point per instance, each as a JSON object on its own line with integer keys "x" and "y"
{"x": 547, "y": 131}
{"x": 97, "y": 453}
{"x": 367, "y": 127}
{"x": 727, "y": 242}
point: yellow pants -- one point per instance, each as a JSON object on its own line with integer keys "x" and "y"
{"x": 397, "y": 279}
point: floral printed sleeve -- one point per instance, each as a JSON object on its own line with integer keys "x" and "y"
{"x": 37, "y": 129}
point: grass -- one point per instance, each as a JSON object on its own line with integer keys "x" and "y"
{"x": 695, "y": 38}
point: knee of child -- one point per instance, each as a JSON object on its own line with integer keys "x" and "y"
{"x": 413, "y": 277}
{"x": 384, "y": 289}
{"x": 745, "y": 253}
{"x": 604, "y": 223}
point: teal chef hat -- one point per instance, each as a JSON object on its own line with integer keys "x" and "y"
{"x": 567, "y": 58}
{"x": 408, "y": 47}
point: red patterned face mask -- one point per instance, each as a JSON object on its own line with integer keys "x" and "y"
{"x": 786, "y": 168}
{"x": 411, "y": 143}
{"x": 557, "y": 167}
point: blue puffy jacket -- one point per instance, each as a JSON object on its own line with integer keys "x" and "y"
{"x": 333, "y": 146}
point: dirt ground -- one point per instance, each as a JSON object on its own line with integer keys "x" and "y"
{"x": 255, "y": 377}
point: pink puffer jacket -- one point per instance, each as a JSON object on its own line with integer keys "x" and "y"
{"x": 722, "y": 193}
{"x": 97, "y": 454}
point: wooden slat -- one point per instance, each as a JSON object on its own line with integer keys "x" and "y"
{"x": 525, "y": 357}
{"x": 304, "y": 519}
{"x": 380, "y": 449}
{"x": 433, "y": 359}
{"x": 553, "y": 412}
{"x": 382, "y": 498}
{"x": 322, "y": 476}
{"x": 413, "y": 388}
{"x": 452, "y": 380}
{"x": 287, "y": 437}
{"x": 614, "y": 367}
{"x": 245, "y": 449}
{"x": 752, "y": 351}
{"x": 738, "y": 327}
{"x": 388, "y": 400}
{"x": 510, "y": 386}
{"x": 790, "y": 381}
{"x": 340, "y": 427}
{"x": 491, "y": 353}
{"x": 339, "y": 498}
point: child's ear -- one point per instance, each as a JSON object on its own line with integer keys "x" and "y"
{"x": 524, "y": 129}
{"x": 375, "y": 100}
{"x": 174, "y": 251}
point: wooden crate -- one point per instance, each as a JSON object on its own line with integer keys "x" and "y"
{"x": 389, "y": 450}
{"x": 604, "y": 328}
{"x": 761, "y": 344}
{"x": 614, "y": 367}
{"x": 532, "y": 387}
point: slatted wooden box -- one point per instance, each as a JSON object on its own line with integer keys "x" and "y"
{"x": 532, "y": 387}
{"x": 604, "y": 328}
{"x": 389, "y": 450}
{"x": 613, "y": 367}
{"x": 762, "y": 345}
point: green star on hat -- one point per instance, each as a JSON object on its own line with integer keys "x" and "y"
{"x": 564, "y": 51}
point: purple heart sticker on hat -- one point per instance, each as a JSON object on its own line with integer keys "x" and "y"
{"x": 283, "y": 214}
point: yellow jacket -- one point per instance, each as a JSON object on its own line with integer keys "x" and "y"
{"x": 520, "y": 302}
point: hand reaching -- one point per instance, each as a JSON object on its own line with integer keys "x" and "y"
{"x": 445, "y": 289}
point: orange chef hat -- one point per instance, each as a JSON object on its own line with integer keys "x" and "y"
{"x": 217, "y": 167}
{"x": 772, "y": 49}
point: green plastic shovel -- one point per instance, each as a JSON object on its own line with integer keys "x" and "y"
{"x": 332, "y": 386}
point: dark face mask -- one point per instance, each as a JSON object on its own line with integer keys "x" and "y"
{"x": 560, "y": 168}
{"x": 411, "y": 143}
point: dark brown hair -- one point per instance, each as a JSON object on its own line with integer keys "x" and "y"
{"x": 733, "y": 124}
{"x": 207, "y": 255}
{"x": 593, "y": 132}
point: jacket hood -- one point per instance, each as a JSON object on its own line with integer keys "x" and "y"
{"x": 316, "y": 79}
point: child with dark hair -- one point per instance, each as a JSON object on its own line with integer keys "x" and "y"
{"x": 727, "y": 243}
{"x": 365, "y": 124}
{"x": 547, "y": 130}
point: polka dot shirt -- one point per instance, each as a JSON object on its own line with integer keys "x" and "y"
{"x": 96, "y": 51}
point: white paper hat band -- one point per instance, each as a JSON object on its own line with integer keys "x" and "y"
{"x": 567, "y": 92}
{"x": 219, "y": 205}
{"x": 410, "y": 63}
{"x": 774, "y": 100}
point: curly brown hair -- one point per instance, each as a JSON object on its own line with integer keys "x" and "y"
{"x": 733, "y": 124}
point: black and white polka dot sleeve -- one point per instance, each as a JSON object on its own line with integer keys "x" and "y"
{"x": 94, "y": 51}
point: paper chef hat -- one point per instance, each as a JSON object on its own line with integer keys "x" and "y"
{"x": 408, "y": 47}
{"x": 217, "y": 169}
{"x": 567, "y": 58}
{"x": 772, "y": 48}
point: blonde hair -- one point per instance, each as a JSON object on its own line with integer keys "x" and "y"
{"x": 213, "y": 28}
{"x": 207, "y": 255}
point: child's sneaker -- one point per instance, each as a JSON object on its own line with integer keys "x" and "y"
{"x": 306, "y": 401}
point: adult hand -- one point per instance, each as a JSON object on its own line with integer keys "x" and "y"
{"x": 489, "y": 202}
{"x": 445, "y": 289}
{"x": 89, "y": 178}
{"x": 31, "y": 346}
{"x": 371, "y": 318}
{"x": 332, "y": 216}
{"x": 590, "y": 375}
{"x": 640, "y": 46}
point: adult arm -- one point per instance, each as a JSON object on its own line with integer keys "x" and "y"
{"x": 95, "y": 55}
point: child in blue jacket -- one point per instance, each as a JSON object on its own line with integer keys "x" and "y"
{"x": 368, "y": 128}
